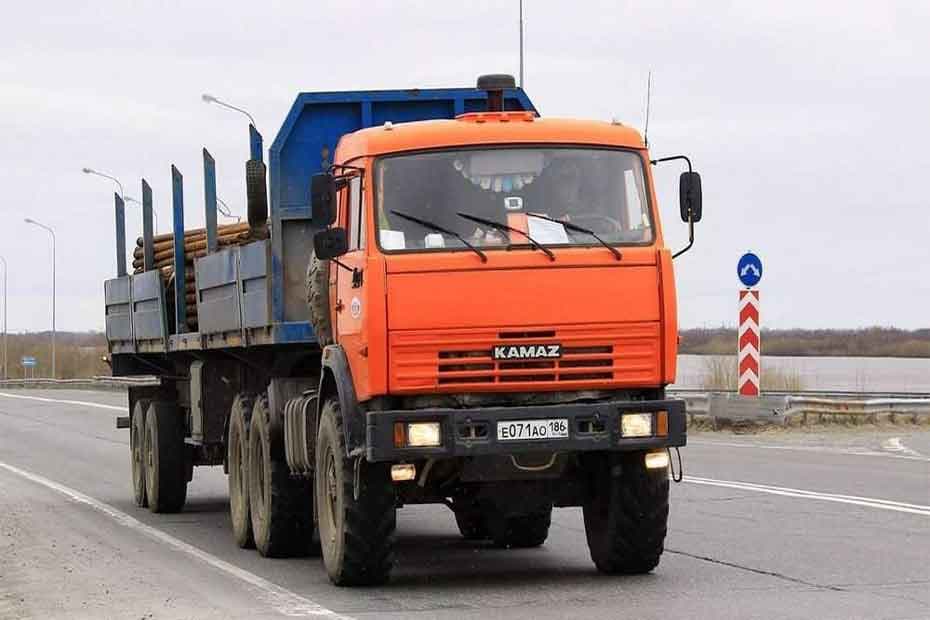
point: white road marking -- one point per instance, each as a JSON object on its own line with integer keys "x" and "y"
{"x": 280, "y": 599}
{"x": 83, "y": 403}
{"x": 870, "y": 502}
{"x": 894, "y": 445}
{"x": 911, "y": 455}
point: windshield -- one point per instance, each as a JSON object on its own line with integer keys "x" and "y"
{"x": 546, "y": 196}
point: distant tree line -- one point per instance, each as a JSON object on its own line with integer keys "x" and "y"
{"x": 865, "y": 342}
{"x": 78, "y": 354}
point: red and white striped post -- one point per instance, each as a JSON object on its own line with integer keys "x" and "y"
{"x": 750, "y": 343}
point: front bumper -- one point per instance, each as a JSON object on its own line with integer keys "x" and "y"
{"x": 473, "y": 432}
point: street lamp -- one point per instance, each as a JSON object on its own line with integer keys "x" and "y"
{"x": 52, "y": 233}
{"x": 5, "y": 269}
{"x": 211, "y": 99}
{"x": 225, "y": 211}
{"x": 128, "y": 199}
{"x": 122, "y": 192}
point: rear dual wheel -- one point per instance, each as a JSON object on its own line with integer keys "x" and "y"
{"x": 164, "y": 458}
{"x": 237, "y": 458}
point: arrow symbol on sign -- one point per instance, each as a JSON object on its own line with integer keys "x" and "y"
{"x": 750, "y": 267}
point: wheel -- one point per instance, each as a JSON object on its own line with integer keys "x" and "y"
{"x": 318, "y": 299}
{"x": 626, "y": 513}
{"x": 281, "y": 506}
{"x": 237, "y": 456}
{"x": 519, "y": 530}
{"x": 356, "y": 529}
{"x": 136, "y": 448}
{"x": 472, "y": 524}
{"x": 165, "y": 470}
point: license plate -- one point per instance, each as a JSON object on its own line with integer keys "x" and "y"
{"x": 520, "y": 430}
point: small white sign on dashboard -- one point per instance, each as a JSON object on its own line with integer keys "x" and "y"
{"x": 434, "y": 240}
{"x": 393, "y": 240}
{"x": 546, "y": 232}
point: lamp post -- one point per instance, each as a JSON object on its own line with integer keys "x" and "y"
{"x": 122, "y": 192}
{"x": 128, "y": 199}
{"x": 225, "y": 211}
{"x": 52, "y": 233}
{"x": 207, "y": 98}
{"x": 5, "y": 269}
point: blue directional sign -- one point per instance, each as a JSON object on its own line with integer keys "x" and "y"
{"x": 749, "y": 269}
{"x": 29, "y": 361}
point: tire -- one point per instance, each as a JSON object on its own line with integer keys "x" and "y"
{"x": 137, "y": 453}
{"x": 318, "y": 299}
{"x": 165, "y": 470}
{"x": 519, "y": 531}
{"x": 281, "y": 506}
{"x": 472, "y": 525}
{"x": 356, "y": 533}
{"x": 626, "y": 514}
{"x": 237, "y": 456}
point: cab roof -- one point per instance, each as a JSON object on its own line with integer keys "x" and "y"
{"x": 485, "y": 128}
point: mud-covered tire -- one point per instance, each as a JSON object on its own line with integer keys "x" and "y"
{"x": 472, "y": 524}
{"x": 137, "y": 453}
{"x": 318, "y": 299}
{"x": 521, "y": 530}
{"x": 626, "y": 513}
{"x": 356, "y": 533}
{"x": 237, "y": 458}
{"x": 281, "y": 506}
{"x": 165, "y": 468}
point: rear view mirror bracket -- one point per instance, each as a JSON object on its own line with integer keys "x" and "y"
{"x": 690, "y": 198}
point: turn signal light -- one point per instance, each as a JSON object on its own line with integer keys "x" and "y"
{"x": 662, "y": 423}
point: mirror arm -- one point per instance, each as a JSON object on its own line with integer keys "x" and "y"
{"x": 673, "y": 158}
{"x": 342, "y": 264}
{"x": 690, "y": 237}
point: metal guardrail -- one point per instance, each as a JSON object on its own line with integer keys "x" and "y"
{"x": 92, "y": 383}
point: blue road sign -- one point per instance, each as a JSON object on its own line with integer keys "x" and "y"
{"x": 29, "y": 361}
{"x": 749, "y": 269}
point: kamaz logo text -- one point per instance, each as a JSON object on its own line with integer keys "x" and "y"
{"x": 526, "y": 351}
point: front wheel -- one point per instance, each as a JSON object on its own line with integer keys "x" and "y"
{"x": 356, "y": 526}
{"x": 625, "y": 513}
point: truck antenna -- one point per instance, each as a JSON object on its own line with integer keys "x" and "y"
{"x": 521, "y": 43}
{"x": 648, "y": 99}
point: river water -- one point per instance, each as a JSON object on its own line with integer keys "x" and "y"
{"x": 854, "y": 374}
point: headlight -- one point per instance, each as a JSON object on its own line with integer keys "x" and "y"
{"x": 636, "y": 425}
{"x": 417, "y": 435}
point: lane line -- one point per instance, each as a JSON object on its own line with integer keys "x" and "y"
{"x": 818, "y": 449}
{"x": 894, "y": 445}
{"x": 869, "y": 502}
{"x": 280, "y": 599}
{"x": 67, "y": 402}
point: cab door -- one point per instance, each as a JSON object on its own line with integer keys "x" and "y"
{"x": 351, "y": 291}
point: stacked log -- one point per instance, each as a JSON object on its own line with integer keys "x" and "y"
{"x": 195, "y": 246}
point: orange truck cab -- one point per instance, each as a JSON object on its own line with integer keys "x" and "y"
{"x": 453, "y": 300}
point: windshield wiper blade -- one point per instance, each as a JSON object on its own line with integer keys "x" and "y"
{"x": 580, "y": 229}
{"x": 500, "y": 226}
{"x": 440, "y": 229}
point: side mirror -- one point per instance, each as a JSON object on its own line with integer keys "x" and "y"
{"x": 330, "y": 243}
{"x": 322, "y": 200}
{"x": 689, "y": 192}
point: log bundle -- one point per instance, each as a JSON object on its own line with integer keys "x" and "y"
{"x": 195, "y": 246}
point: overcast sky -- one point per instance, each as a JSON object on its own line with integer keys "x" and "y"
{"x": 809, "y": 122}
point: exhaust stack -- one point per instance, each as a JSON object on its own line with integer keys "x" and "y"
{"x": 495, "y": 84}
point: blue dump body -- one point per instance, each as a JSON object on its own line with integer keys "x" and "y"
{"x": 307, "y": 140}
{"x": 255, "y": 294}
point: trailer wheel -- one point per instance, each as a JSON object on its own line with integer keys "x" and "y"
{"x": 318, "y": 299}
{"x": 356, "y": 528}
{"x": 137, "y": 451}
{"x": 165, "y": 470}
{"x": 237, "y": 446}
{"x": 281, "y": 506}
{"x": 521, "y": 530}
{"x": 626, "y": 514}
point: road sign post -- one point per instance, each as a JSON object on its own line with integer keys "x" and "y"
{"x": 30, "y": 363}
{"x": 749, "y": 349}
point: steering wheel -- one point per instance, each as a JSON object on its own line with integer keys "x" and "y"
{"x": 601, "y": 224}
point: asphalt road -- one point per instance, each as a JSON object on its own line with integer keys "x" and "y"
{"x": 784, "y": 525}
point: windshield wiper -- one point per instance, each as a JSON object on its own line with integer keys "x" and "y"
{"x": 580, "y": 229}
{"x": 440, "y": 229}
{"x": 502, "y": 227}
